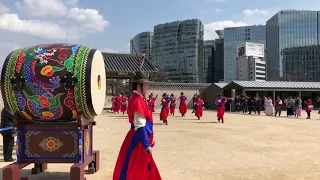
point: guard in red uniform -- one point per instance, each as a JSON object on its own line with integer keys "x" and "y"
{"x": 123, "y": 103}
{"x": 183, "y": 104}
{"x": 135, "y": 161}
{"x": 199, "y": 104}
{"x": 113, "y": 100}
{"x": 165, "y": 108}
{"x": 151, "y": 101}
{"x": 172, "y": 104}
{"x": 309, "y": 107}
{"x": 221, "y": 101}
{"x": 117, "y": 103}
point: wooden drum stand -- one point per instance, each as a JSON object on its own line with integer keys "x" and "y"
{"x": 53, "y": 142}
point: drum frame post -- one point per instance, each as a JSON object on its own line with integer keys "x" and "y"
{"x": 77, "y": 170}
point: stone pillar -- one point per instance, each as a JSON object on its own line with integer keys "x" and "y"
{"x": 300, "y": 94}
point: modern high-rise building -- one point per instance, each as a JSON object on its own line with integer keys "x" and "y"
{"x": 216, "y": 66}
{"x": 235, "y": 36}
{"x": 142, "y": 43}
{"x": 178, "y": 49}
{"x": 208, "y": 53}
{"x": 292, "y": 43}
{"x": 251, "y": 65}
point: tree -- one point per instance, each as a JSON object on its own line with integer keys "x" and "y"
{"x": 160, "y": 76}
{"x": 117, "y": 86}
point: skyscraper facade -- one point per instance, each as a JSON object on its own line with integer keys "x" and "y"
{"x": 235, "y": 36}
{"x": 217, "y": 69}
{"x": 208, "y": 53}
{"x": 142, "y": 43}
{"x": 178, "y": 49}
{"x": 292, "y": 46}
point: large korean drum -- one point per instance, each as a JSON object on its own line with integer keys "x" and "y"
{"x": 53, "y": 82}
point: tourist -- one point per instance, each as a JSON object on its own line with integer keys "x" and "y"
{"x": 309, "y": 106}
{"x": 183, "y": 104}
{"x": 257, "y": 104}
{"x": 298, "y": 107}
{"x": 269, "y": 107}
{"x": 238, "y": 103}
{"x": 123, "y": 103}
{"x": 199, "y": 104}
{"x": 244, "y": 103}
{"x": 278, "y": 105}
{"x": 172, "y": 104}
{"x": 220, "y": 102}
{"x": 289, "y": 103}
{"x": 165, "y": 108}
{"x": 135, "y": 161}
{"x": 250, "y": 104}
{"x": 8, "y": 135}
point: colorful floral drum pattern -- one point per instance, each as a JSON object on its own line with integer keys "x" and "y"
{"x": 52, "y": 82}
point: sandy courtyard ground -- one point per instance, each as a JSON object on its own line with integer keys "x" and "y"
{"x": 245, "y": 147}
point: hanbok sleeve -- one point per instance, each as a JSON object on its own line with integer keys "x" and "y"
{"x": 140, "y": 127}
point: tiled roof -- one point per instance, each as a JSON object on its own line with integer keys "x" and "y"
{"x": 125, "y": 63}
{"x": 221, "y": 85}
{"x": 277, "y": 84}
{"x": 179, "y": 85}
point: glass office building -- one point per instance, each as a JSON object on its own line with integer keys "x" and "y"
{"x": 208, "y": 53}
{"x": 142, "y": 43}
{"x": 235, "y": 36}
{"x": 293, "y": 37}
{"x": 178, "y": 49}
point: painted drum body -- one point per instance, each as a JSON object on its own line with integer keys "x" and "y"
{"x": 52, "y": 82}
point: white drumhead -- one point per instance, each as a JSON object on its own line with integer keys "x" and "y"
{"x": 98, "y": 82}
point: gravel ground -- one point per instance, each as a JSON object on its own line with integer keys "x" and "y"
{"x": 245, "y": 147}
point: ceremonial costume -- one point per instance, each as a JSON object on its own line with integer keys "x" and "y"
{"x": 269, "y": 108}
{"x": 278, "y": 106}
{"x": 183, "y": 105}
{"x": 221, "y": 101}
{"x": 199, "y": 103}
{"x": 123, "y": 104}
{"x": 134, "y": 163}
{"x": 118, "y": 104}
{"x": 164, "y": 110}
{"x": 172, "y": 105}
{"x": 151, "y": 101}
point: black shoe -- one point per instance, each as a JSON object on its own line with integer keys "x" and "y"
{"x": 218, "y": 120}
{"x": 9, "y": 160}
{"x": 222, "y": 121}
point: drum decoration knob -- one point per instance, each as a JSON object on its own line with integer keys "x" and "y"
{"x": 68, "y": 81}
{"x": 17, "y": 81}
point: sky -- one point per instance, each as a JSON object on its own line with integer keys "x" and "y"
{"x": 108, "y": 25}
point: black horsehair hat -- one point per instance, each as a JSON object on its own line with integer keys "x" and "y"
{"x": 140, "y": 78}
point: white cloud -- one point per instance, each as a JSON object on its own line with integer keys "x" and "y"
{"x": 12, "y": 23}
{"x": 3, "y": 9}
{"x": 252, "y": 12}
{"x": 89, "y": 19}
{"x": 42, "y": 7}
{"x": 71, "y": 24}
{"x": 209, "y": 29}
{"x": 217, "y": 10}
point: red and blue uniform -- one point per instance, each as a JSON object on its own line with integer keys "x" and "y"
{"x": 123, "y": 104}
{"x": 173, "y": 105}
{"x": 199, "y": 107}
{"x": 183, "y": 105}
{"x": 151, "y": 102}
{"x": 221, "y": 107}
{"x": 133, "y": 162}
{"x": 165, "y": 109}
